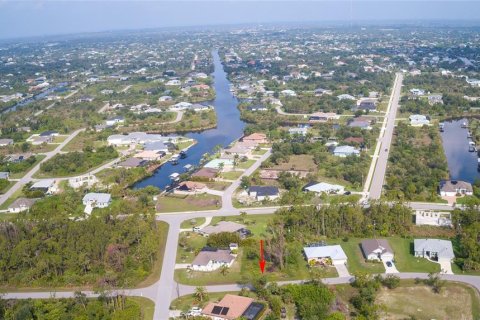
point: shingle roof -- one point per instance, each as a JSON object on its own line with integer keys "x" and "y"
{"x": 223, "y": 226}
{"x": 443, "y": 248}
{"x": 205, "y": 256}
{"x": 370, "y": 245}
{"x": 264, "y": 191}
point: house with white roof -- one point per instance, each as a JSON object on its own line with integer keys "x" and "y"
{"x": 298, "y": 131}
{"x": 418, "y": 120}
{"x": 96, "y": 200}
{"x": 345, "y": 97}
{"x": 138, "y": 138}
{"x": 320, "y": 253}
{"x": 324, "y": 187}
{"x": 48, "y": 186}
{"x": 345, "y": 151}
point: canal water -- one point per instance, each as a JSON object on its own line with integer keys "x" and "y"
{"x": 229, "y": 128}
{"x": 462, "y": 164}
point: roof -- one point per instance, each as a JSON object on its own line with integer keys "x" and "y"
{"x": 230, "y": 307}
{"x": 443, "y": 248}
{"x": 223, "y": 226}
{"x": 189, "y": 185}
{"x": 97, "y": 197}
{"x": 206, "y": 173}
{"x": 147, "y": 154}
{"x": 157, "y": 145}
{"x": 455, "y": 185}
{"x": 205, "y": 256}
{"x": 264, "y": 191}
{"x": 371, "y": 245}
{"x": 48, "y": 133}
{"x": 345, "y": 149}
{"x": 334, "y": 252}
{"x": 132, "y": 163}
{"x": 43, "y": 184}
{"x": 22, "y": 203}
{"x": 256, "y": 136}
{"x": 323, "y": 187}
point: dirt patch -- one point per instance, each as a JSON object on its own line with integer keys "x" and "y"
{"x": 454, "y": 302}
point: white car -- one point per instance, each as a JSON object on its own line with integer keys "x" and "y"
{"x": 195, "y": 311}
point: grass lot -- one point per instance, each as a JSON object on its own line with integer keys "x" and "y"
{"x": 157, "y": 268}
{"x": 185, "y": 303}
{"x": 410, "y": 301}
{"x": 9, "y": 185}
{"x": 178, "y": 203}
{"x": 231, "y": 175}
{"x": 146, "y": 305}
{"x": 298, "y": 162}
{"x": 245, "y": 165}
{"x": 193, "y": 242}
{"x": 19, "y": 175}
{"x": 260, "y": 152}
{"x": 60, "y": 139}
{"x": 82, "y": 140}
{"x": 405, "y": 261}
{"x": 185, "y": 144}
{"x": 192, "y": 223}
{"x": 43, "y": 175}
{"x": 217, "y": 185}
{"x": 356, "y": 262}
{"x": 7, "y": 216}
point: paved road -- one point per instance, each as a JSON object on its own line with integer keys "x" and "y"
{"x": 228, "y": 193}
{"x": 380, "y": 157}
{"x": 28, "y": 177}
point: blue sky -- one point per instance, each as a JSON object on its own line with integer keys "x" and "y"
{"x": 37, "y": 18}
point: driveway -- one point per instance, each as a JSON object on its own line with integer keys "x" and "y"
{"x": 342, "y": 270}
{"x": 445, "y": 266}
{"x": 392, "y": 269}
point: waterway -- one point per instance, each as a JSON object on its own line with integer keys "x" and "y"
{"x": 462, "y": 164}
{"x": 229, "y": 128}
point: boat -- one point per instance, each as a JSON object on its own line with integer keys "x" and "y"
{"x": 183, "y": 154}
{"x": 469, "y": 135}
{"x": 174, "y": 159}
{"x": 472, "y": 148}
{"x": 464, "y": 124}
{"x": 188, "y": 167}
{"x": 441, "y": 126}
{"x": 174, "y": 176}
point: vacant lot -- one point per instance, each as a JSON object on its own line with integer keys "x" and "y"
{"x": 298, "y": 162}
{"x": 420, "y": 302}
{"x": 179, "y": 203}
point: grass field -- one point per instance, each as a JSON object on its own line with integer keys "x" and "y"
{"x": 179, "y": 203}
{"x": 245, "y": 165}
{"x": 405, "y": 261}
{"x": 231, "y": 175}
{"x": 420, "y": 302}
{"x": 82, "y": 140}
{"x": 190, "y": 223}
{"x": 257, "y": 223}
{"x": 193, "y": 243}
{"x": 298, "y": 162}
{"x": 146, "y": 305}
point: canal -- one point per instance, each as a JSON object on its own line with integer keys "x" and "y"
{"x": 229, "y": 128}
{"x": 462, "y": 164}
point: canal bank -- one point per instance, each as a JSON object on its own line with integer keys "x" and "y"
{"x": 462, "y": 164}
{"x": 229, "y": 128}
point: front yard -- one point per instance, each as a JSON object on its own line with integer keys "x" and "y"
{"x": 179, "y": 203}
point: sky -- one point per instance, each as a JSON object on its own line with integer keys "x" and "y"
{"x": 23, "y": 18}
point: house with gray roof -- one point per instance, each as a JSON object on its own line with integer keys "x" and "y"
{"x": 21, "y": 204}
{"x": 433, "y": 249}
{"x": 210, "y": 259}
{"x": 225, "y": 226}
{"x": 377, "y": 249}
{"x": 6, "y": 142}
{"x": 451, "y": 188}
{"x": 345, "y": 151}
{"x": 132, "y": 163}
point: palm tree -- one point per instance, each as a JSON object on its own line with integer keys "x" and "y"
{"x": 200, "y": 294}
{"x": 224, "y": 270}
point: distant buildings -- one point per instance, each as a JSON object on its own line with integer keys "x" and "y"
{"x": 138, "y": 138}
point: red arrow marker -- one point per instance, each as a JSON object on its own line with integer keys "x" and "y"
{"x": 262, "y": 259}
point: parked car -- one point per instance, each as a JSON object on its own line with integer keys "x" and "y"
{"x": 389, "y": 264}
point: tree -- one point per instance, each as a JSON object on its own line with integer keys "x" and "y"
{"x": 224, "y": 270}
{"x": 391, "y": 281}
{"x": 200, "y": 294}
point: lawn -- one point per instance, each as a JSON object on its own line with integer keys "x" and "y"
{"x": 185, "y": 144}
{"x": 257, "y": 223}
{"x": 298, "y": 162}
{"x": 179, "y": 203}
{"x": 190, "y": 223}
{"x": 245, "y": 165}
{"x": 7, "y": 187}
{"x": 231, "y": 175}
{"x": 260, "y": 152}
{"x": 356, "y": 262}
{"x": 146, "y": 305}
{"x": 82, "y": 140}
{"x": 405, "y": 261}
{"x": 60, "y": 139}
{"x": 420, "y": 302}
{"x": 192, "y": 244}
{"x": 218, "y": 185}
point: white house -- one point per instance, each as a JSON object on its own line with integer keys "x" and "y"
{"x": 298, "y": 131}
{"x": 320, "y": 253}
{"x": 210, "y": 259}
{"x": 377, "y": 249}
{"x": 345, "y": 151}
{"x": 180, "y": 106}
{"x": 49, "y": 186}
{"x": 417, "y": 92}
{"x": 115, "y": 120}
{"x": 97, "y": 200}
{"x": 451, "y": 188}
{"x": 82, "y": 181}
{"x": 418, "y": 120}
{"x": 324, "y": 187}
